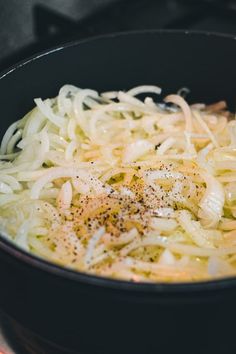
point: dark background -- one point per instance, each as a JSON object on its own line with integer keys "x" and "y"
{"x": 28, "y": 26}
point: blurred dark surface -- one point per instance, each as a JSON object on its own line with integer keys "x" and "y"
{"x": 29, "y": 26}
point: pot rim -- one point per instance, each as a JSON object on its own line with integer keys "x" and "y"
{"x": 32, "y": 260}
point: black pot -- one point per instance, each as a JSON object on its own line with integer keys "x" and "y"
{"x": 88, "y": 314}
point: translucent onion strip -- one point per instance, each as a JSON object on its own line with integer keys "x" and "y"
{"x": 122, "y": 184}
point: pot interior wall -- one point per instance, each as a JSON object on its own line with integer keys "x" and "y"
{"x": 203, "y": 63}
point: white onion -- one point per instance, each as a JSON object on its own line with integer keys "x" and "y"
{"x": 212, "y": 202}
{"x": 135, "y": 150}
{"x": 123, "y": 187}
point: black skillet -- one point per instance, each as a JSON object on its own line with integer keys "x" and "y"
{"x": 85, "y": 313}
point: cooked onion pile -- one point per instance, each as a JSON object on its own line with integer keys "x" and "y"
{"x": 119, "y": 187}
